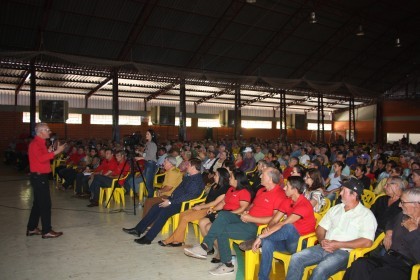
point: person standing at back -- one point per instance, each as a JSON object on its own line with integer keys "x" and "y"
{"x": 40, "y": 167}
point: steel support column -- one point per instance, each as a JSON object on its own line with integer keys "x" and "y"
{"x": 32, "y": 99}
{"x": 283, "y": 120}
{"x": 238, "y": 117}
{"x": 352, "y": 120}
{"x": 182, "y": 135}
{"x": 115, "y": 107}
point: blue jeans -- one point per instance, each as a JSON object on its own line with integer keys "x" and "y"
{"x": 283, "y": 240}
{"x": 149, "y": 175}
{"x": 128, "y": 185}
{"x": 228, "y": 225}
{"x": 328, "y": 263}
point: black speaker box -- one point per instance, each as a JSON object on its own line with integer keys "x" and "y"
{"x": 163, "y": 115}
{"x": 53, "y": 111}
{"x": 300, "y": 121}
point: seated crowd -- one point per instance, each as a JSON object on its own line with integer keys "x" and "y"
{"x": 282, "y": 192}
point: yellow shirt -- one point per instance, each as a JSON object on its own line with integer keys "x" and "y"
{"x": 173, "y": 178}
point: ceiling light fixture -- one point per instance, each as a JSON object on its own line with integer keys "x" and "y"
{"x": 251, "y": 1}
{"x": 312, "y": 18}
{"x": 398, "y": 42}
{"x": 360, "y": 31}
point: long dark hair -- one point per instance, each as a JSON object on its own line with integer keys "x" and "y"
{"x": 242, "y": 181}
{"x": 223, "y": 178}
{"x": 315, "y": 175}
{"x": 153, "y": 134}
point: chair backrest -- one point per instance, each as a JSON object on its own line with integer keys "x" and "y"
{"x": 325, "y": 207}
{"x": 368, "y": 197}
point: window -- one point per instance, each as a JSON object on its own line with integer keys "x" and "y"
{"x": 188, "y": 121}
{"x": 278, "y": 125}
{"x": 394, "y": 137}
{"x": 414, "y": 138}
{"x": 129, "y": 120}
{"x": 122, "y": 120}
{"x": 314, "y": 126}
{"x": 256, "y": 124}
{"x": 208, "y": 123}
{"x": 26, "y": 118}
{"x": 73, "y": 118}
{"x": 176, "y": 121}
{"x": 100, "y": 119}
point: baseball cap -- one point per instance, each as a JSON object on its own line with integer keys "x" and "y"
{"x": 247, "y": 150}
{"x": 353, "y": 184}
{"x": 364, "y": 156}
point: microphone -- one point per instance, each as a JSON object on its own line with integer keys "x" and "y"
{"x": 52, "y": 140}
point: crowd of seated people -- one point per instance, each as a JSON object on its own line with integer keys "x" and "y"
{"x": 299, "y": 172}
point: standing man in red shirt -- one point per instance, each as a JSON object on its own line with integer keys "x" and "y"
{"x": 39, "y": 164}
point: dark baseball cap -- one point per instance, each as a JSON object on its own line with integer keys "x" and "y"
{"x": 353, "y": 184}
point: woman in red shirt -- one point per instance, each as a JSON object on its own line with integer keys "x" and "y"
{"x": 237, "y": 199}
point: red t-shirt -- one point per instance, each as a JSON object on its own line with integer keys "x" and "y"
{"x": 39, "y": 157}
{"x": 75, "y": 158}
{"x": 265, "y": 202}
{"x": 121, "y": 171}
{"x": 233, "y": 197}
{"x": 287, "y": 172}
{"x": 303, "y": 208}
{"x": 107, "y": 165}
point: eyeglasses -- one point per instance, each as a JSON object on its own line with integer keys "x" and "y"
{"x": 405, "y": 202}
{"x": 47, "y": 129}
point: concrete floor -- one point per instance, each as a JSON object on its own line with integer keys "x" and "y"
{"x": 92, "y": 247}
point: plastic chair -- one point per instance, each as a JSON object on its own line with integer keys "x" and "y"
{"x": 251, "y": 258}
{"x": 324, "y": 209}
{"x": 174, "y": 220}
{"x": 368, "y": 197}
{"x": 119, "y": 192}
{"x": 354, "y": 255}
{"x": 185, "y": 206}
{"x": 286, "y": 257}
{"x": 376, "y": 198}
{"x": 415, "y": 272}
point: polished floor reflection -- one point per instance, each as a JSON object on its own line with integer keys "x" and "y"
{"x": 92, "y": 247}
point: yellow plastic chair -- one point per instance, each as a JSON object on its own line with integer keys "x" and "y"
{"x": 376, "y": 198}
{"x": 251, "y": 258}
{"x": 368, "y": 197}
{"x": 415, "y": 272}
{"x": 118, "y": 192}
{"x": 197, "y": 232}
{"x": 324, "y": 209}
{"x": 354, "y": 255}
{"x": 174, "y": 220}
{"x": 185, "y": 206}
{"x": 286, "y": 257}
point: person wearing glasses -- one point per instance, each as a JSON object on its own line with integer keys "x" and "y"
{"x": 402, "y": 242}
{"x": 40, "y": 167}
{"x": 387, "y": 207}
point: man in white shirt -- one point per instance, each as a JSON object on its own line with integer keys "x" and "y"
{"x": 304, "y": 159}
{"x": 344, "y": 227}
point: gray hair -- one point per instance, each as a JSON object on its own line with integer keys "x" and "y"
{"x": 413, "y": 193}
{"x": 171, "y": 160}
{"x": 274, "y": 174}
{"x": 399, "y": 181}
{"x": 40, "y": 126}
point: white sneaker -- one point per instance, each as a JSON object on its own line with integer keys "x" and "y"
{"x": 196, "y": 252}
{"x": 221, "y": 270}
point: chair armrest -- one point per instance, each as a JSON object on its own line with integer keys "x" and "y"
{"x": 415, "y": 272}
